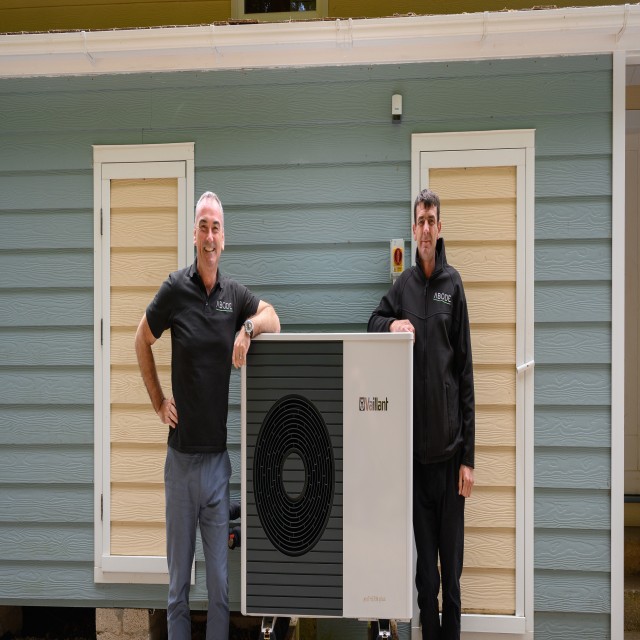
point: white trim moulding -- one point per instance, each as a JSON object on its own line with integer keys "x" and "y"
{"x": 508, "y": 34}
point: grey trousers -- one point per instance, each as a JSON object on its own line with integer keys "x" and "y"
{"x": 197, "y": 493}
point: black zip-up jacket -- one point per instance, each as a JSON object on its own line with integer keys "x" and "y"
{"x": 443, "y": 395}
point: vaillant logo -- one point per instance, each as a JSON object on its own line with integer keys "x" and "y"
{"x": 374, "y": 404}
{"x": 442, "y": 297}
{"x": 221, "y": 305}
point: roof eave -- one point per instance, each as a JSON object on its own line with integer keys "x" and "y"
{"x": 508, "y": 34}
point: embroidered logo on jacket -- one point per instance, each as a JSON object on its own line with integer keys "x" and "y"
{"x": 221, "y": 305}
{"x": 442, "y": 297}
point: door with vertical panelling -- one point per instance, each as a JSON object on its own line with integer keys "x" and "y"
{"x": 139, "y": 208}
{"x": 483, "y": 194}
{"x": 143, "y": 238}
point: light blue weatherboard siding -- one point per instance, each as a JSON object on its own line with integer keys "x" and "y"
{"x": 315, "y": 180}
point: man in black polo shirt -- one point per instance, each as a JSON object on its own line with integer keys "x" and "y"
{"x": 212, "y": 320}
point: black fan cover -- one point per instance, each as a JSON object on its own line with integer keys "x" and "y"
{"x": 293, "y": 475}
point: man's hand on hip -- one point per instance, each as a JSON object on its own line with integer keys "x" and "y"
{"x": 168, "y": 413}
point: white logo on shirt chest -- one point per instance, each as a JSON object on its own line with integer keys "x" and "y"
{"x": 221, "y": 305}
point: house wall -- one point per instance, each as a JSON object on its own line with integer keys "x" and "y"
{"x": 315, "y": 180}
{"x": 47, "y": 15}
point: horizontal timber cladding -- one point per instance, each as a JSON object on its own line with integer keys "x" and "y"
{"x": 586, "y": 626}
{"x": 49, "y": 15}
{"x": 315, "y": 181}
{"x": 374, "y": 8}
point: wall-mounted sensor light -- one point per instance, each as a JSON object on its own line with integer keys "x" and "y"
{"x": 396, "y": 107}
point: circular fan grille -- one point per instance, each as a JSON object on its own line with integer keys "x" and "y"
{"x": 293, "y": 475}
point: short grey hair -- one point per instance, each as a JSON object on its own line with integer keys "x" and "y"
{"x": 209, "y": 195}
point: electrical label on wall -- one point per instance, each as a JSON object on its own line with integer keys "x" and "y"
{"x": 397, "y": 257}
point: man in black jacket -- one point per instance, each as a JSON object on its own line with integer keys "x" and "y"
{"x": 428, "y": 300}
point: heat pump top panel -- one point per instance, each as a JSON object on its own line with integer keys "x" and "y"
{"x": 326, "y": 476}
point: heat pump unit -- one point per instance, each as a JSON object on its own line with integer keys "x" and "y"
{"x": 327, "y": 476}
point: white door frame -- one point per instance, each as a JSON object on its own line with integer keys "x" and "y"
{"x": 502, "y": 148}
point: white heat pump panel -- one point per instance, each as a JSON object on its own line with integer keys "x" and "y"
{"x": 327, "y": 476}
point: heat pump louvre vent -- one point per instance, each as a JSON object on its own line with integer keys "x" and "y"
{"x": 293, "y": 475}
{"x": 277, "y": 581}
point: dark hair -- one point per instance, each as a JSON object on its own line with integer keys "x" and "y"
{"x": 429, "y": 199}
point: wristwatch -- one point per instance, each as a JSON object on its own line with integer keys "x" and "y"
{"x": 248, "y": 327}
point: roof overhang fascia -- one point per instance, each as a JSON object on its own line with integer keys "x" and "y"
{"x": 508, "y": 34}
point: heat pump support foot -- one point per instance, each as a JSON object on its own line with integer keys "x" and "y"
{"x": 274, "y": 628}
{"x": 381, "y": 629}
{"x": 266, "y": 628}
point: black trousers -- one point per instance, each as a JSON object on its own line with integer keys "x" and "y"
{"x": 438, "y": 527}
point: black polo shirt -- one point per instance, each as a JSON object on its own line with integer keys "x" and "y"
{"x": 203, "y": 330}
